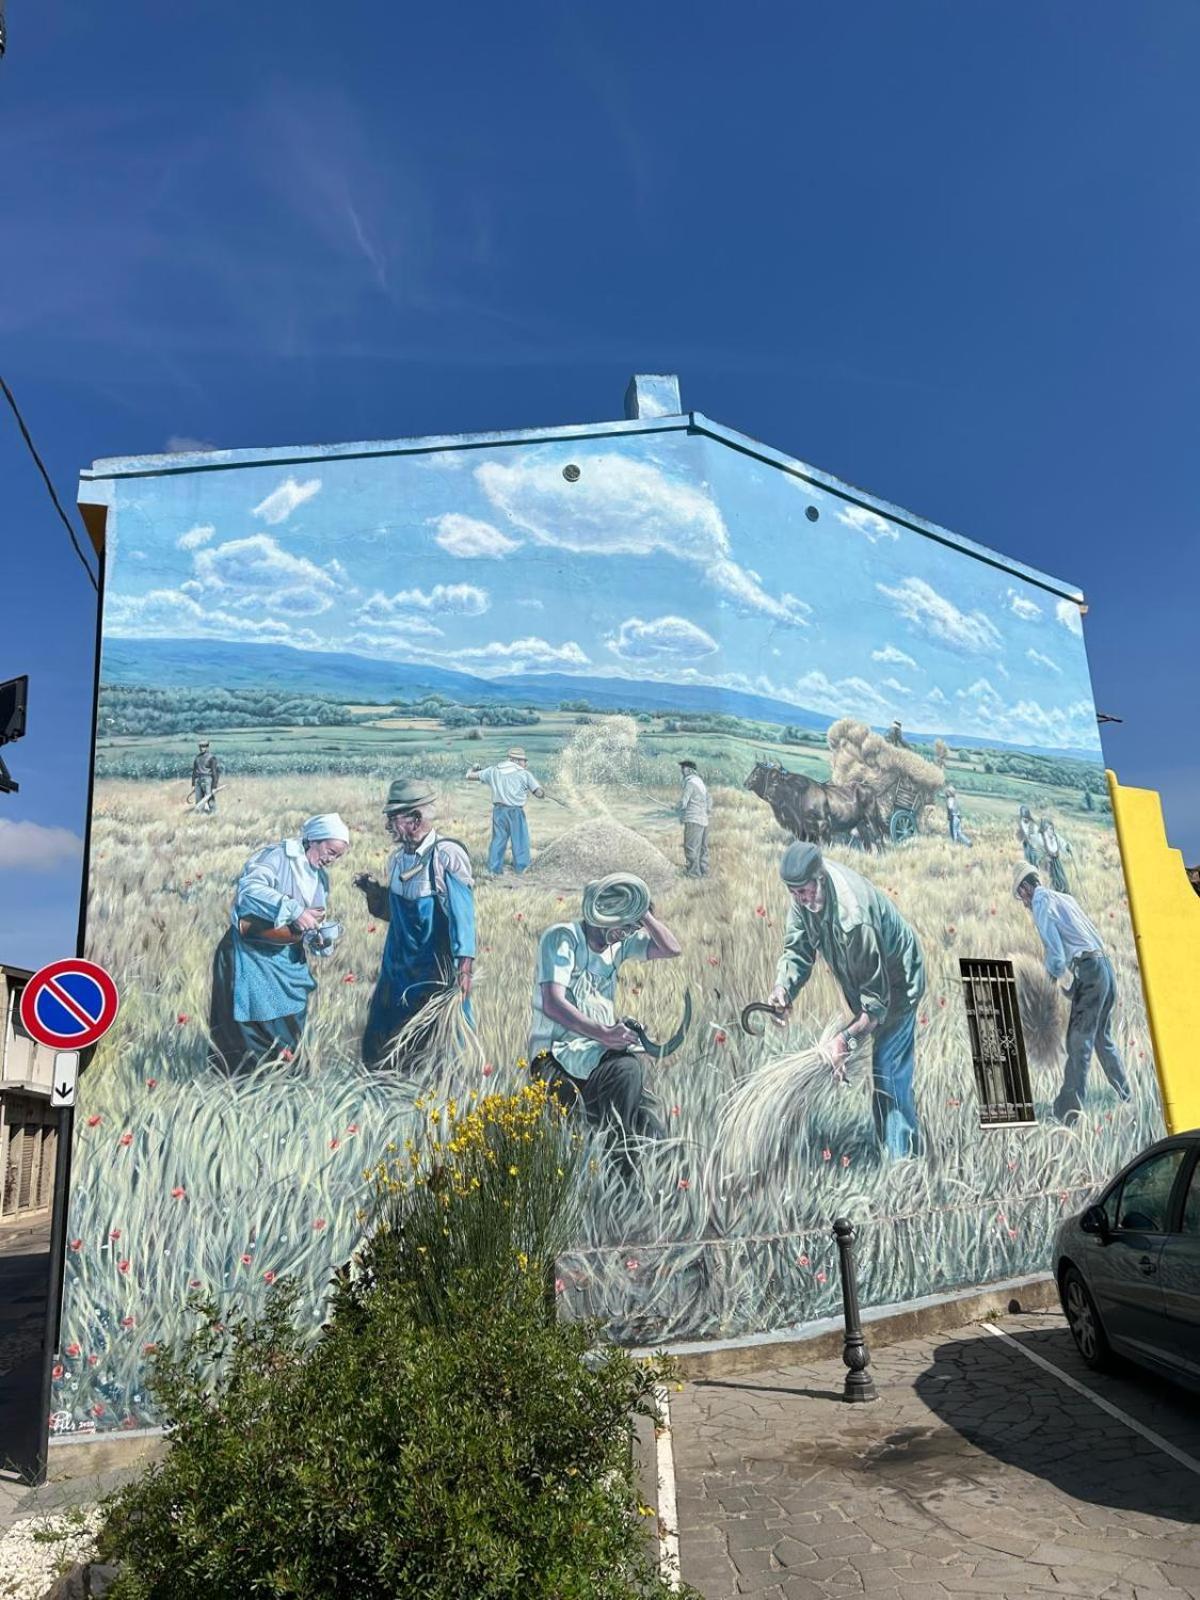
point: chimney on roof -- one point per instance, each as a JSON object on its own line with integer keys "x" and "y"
{"x": 653, "y": 394}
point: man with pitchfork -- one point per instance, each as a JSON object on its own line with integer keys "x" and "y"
{"x": 876, "y": 961}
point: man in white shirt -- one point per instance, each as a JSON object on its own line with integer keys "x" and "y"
{"x": 576, "y": 1042}
{"x": 695, "y": 808}
{"x": 511, "y": 783}
{"x": 1072, "y": 943}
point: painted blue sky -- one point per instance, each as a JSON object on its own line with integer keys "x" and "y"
{"x": 669, "y": 556}
{"x": 945, "y": 251}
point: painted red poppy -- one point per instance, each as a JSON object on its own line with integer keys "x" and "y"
{"x": 182, "y": 1017}
{"x": 127, "y": 1322}
{"x": 178, "y": 1192}
{"x": 319, "y": 1224}
{"x": 268, "y": 1277}
{"x": 72, "y": 1349}
{"x": 94, "y": 1121}
{"x": 123, "y": 1266}
{"x": 126, "y": 1139}
{"x": 247, "y": 1260}
{"x": 152, "y": 1083}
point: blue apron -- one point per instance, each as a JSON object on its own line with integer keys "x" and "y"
{"x": 418, "y": 958}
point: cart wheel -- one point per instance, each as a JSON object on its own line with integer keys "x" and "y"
{"x": 902, "y": 826}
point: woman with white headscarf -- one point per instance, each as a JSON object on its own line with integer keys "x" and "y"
{"x": 261, "y": 976}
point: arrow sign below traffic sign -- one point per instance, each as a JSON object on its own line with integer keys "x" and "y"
{"x": 66, "y": 1073}
{"x": 69, "y": 1005}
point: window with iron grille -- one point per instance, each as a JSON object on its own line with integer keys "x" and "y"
{"x": 997, "y": 1043}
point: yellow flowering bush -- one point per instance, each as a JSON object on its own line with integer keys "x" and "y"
{"x": 483, "y": 1200}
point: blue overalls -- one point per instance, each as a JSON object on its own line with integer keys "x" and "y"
{"x": 431, "y": 927}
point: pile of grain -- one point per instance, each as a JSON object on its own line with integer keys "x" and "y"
{"x": 595, "y": 848}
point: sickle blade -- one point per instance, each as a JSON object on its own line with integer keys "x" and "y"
{"x": 659, "y": 1052}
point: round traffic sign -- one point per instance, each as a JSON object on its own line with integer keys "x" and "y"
{"x": 69, "y": 1005}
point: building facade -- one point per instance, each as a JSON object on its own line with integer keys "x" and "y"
{"x": 637, "y": 755}
{"x": 28, "y": 1127}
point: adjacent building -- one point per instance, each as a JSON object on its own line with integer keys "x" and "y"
{"x": 28, "y": 1127}
{"x": 637, "y": 720}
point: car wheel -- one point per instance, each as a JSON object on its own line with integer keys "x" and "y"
{"x": 1084, "y": 1321}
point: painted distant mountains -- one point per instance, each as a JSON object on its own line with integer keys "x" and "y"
{"x": 214, "y": 663}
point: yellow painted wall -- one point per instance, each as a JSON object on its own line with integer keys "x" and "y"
{"x": 1165, "y": 910}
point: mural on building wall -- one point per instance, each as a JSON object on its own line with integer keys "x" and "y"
{"x": 632, "y": 762}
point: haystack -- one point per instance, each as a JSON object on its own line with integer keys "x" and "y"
{"x": 594, "y": 848}
{"x": 857, "y": 755}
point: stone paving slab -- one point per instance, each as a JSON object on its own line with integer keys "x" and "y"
{"x": 974, "y": 1474}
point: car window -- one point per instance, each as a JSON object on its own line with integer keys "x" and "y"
{"x": 1191, "y": 1205}
{"x": 1145, "y": 1196}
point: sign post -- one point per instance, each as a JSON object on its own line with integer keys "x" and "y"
{"x": 67, "y": 1007}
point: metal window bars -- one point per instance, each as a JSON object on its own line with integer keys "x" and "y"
{"x": 997, "y": 1042}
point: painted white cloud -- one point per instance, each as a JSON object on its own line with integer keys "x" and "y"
{"x": 845, "y": 697}
{"x": 1040, "y": 660}
{"x": 171, "y": 614}
{"x": 986, "y": 714}
{"x": 501, "y": 658}
{"x": 532, "y": 603}
{"x": 280, "y": 503}
{"x": 195, "y": 537}
{"x": 895, "y": 686}
{"x": 468, "y": 538}
{"x": 444, "y": 599}
{"x": 935, "y": 697}
{"x": 410, "y": 626}
{"x": 663, "y": 639}
{"x": 622, "y": 507}
{"x": 869, "y": 523}
{"x": 919, "y": 603}
{"x": 890, "y": 656}
{"x": 1022, "y": 606}
{"x": 259, "y": 572}
{"x": 518, "y": 655}
{"x": 1069, "y": 615}
{"x": 30, "y": 847}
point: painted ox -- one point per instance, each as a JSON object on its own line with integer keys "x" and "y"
{"x": 818, "y": 812}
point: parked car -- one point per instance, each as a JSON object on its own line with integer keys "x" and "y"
{"x": 1128, "y": 1267}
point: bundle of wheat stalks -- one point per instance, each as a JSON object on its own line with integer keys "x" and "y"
{"x": 761, "y": 1117}
{"x": 438, "y": 1032}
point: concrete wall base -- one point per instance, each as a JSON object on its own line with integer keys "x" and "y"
{"x": 816, "y": 1341}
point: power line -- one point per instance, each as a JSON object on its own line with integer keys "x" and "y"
{"x": 66, "y": 522}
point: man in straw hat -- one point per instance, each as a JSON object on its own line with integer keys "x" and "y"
{"x": 428, "y": 902}
{"x": 876, "y": 961}
{"x": 1071, "y": 942}
{"x": 261, "y": 979}
{"x": 511, "y": 783}
{"x": 576, "y": 1042}
{"x": 694, "y": 810}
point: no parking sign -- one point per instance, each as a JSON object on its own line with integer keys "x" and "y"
{"x": 69, "y": 1005}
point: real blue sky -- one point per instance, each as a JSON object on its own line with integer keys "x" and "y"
{"x": 944, "y": 251}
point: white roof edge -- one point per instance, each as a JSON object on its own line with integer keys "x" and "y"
{"x": 894, "y": 513}
{"x": 113, "y": 467}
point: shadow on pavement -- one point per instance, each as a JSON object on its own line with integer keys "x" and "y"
{"x": 24, "y": 1285}
{"x": 984, "y": 1390}
{"x": 748, "y": 1386}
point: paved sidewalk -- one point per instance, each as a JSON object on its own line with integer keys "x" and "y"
{"x": 974, "y": 1474}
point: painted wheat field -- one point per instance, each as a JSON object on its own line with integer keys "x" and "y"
{"x": 187, "y": 1183}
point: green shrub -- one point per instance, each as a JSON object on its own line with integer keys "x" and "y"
{"x": 472, "y": 1463}
{"x": 444, "y": 1437}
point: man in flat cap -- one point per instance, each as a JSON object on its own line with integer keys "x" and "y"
{"x": 428, "y": 902}
{"x": 1071, "y": 943}
{"x": 511, "y": 783}
{"x": 206, "y": 779}
{"x": 876, "y": 961}
{"x": 262, "y": 980}
{"x": 695, "y": 809}
{"x": 576, "y": 1042}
